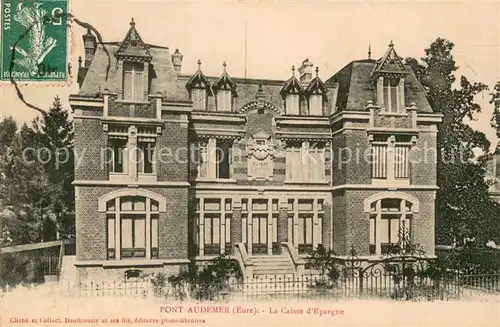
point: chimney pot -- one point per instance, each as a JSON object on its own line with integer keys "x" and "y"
{"x": 177, "y": 60}
{"x": 306, "y": 71}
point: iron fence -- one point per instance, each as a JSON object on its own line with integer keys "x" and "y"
{"x": 453, "y": 286}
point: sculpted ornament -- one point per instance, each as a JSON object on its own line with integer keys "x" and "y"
{"x": 260, "y": 154}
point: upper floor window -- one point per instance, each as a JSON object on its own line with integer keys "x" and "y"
{"x": 131, "y": 152}
{"x": 292, "y": 104}
{"x": 133, "y": 81}
{"x": 145, "y": 157}
{"x": 214, "y": 158}
{"x": 199, "y": 98}
{"x": 305, "y": 161}
{"x": 118, "y": 158}
{"x": 224, "y": 100}
{"x": 316, "y": 105}
{"x": 390, "y": 157}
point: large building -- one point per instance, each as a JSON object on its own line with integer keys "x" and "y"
{"x": 253, "y": 167}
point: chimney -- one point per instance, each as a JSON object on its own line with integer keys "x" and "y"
{"x": 306, "y": 71}
{"x": 177, "y": 60}
{"x": 90, "y": 45}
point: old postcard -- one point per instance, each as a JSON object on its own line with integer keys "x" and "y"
{"x": 249, "y": 163}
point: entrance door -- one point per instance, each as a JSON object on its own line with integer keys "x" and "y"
{"x": 259, "y": 234}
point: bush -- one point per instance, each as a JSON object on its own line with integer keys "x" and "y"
{"x": 202, "y": 283}
{"x": 325, "y": 262}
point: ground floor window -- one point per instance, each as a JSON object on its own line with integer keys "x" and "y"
{"x": 132, "y": 227}
{"x": 390, "y": 225}
{"x": 213, "y": 226}
{"x": 260, "y": 225}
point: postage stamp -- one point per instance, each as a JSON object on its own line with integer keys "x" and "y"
{"x": 34, "y": 40}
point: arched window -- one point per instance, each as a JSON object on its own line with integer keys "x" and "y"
{"x": 132, "y": 227}
{"x": 390, "y": 221}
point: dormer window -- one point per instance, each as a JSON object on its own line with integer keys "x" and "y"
{"x": 224, "y": 100}
{"x": 316, "y": 105}
{"x": 316, "y": 91}
{"x": 391, "y": 94}
{"x": 133, "y": 81}
{"x": 135, "y": 57}
{"x": 389, "y": 74}
{"x": 292, "y": 104}
{"x": 199, "y": 98}
{"x": 199, "y": 89}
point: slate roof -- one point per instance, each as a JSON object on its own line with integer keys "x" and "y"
{"x": 355, "y": 80}
{"x": 166, "y": 80}
{"x": 356, "y": 87}
{"x": 163, "y": 76}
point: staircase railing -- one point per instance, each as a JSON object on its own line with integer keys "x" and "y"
{"x": 298, "y": 262}
{"x": 246, "y": 265}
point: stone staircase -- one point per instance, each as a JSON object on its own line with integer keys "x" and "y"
{"x": 272, "y": 265}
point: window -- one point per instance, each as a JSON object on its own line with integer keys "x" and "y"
{"x": 118, "y": 161}
{"x": 391, "y": 157}
{"x": 401, "y": 157}
{"x": 223, "y": 159}
{"x": 224, "y": 100}
{"x": 199, "y": 98}
{"x": 292, "y": 104}
{"x": 213, "y": 225}
{"x": 391, "y": 96}
{"x": 390, "y": 225}
{"x": 305, "y": 219}
{"x": 305, "y": 161}
{"x": 214, "y": 158}
{"x": 212, "y": 233}
{"x": 131, "y": 228}
{"x": 379, "y": 158}
{"x": 133, "y": 81}
{"x": 316, "y": 105}
{"x": 305, "y": 235}
{"x": 145, "y": 157}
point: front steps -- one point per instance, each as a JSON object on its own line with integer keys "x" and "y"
{"x": 272, "y": 265}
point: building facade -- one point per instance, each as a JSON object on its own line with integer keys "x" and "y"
{"x": 176, "y": 168}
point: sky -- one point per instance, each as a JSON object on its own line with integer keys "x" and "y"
{"x": 281, "y": 34}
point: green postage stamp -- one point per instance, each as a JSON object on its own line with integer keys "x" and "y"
{"x": 34, "y": 40}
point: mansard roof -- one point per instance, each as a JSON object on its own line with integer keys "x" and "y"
{"x": 132, "y": 46}
{"x": 356, "y": 86}
{"x": 390, "y": 63}
{"x": 292, "y": 86}
{"x": 225, "y": 82}
{"x": 199, "y": 80}
{"x": 103, "y": 73}
{"x": 316, "y": 86}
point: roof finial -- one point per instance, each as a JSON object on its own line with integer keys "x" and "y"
{"x": 317, "y": 70}
{"x": 293, "y": 70}
{"x": 391, "y": 44}
{"x": 132, "y": 23}
{"x": 224, "y": 64}
{"x": 369, "y": 50}
{"x": 199, "y": 64}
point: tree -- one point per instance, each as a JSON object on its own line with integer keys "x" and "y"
{"x": 36, "y": 171}
{"x": 463, "y": 206}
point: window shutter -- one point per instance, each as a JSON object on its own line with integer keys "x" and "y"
{"x": 292, "y": 104}
{"x": 316, "y": 105}
{"x": 127, "y": 85}
{"x": 139, "y": 86}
